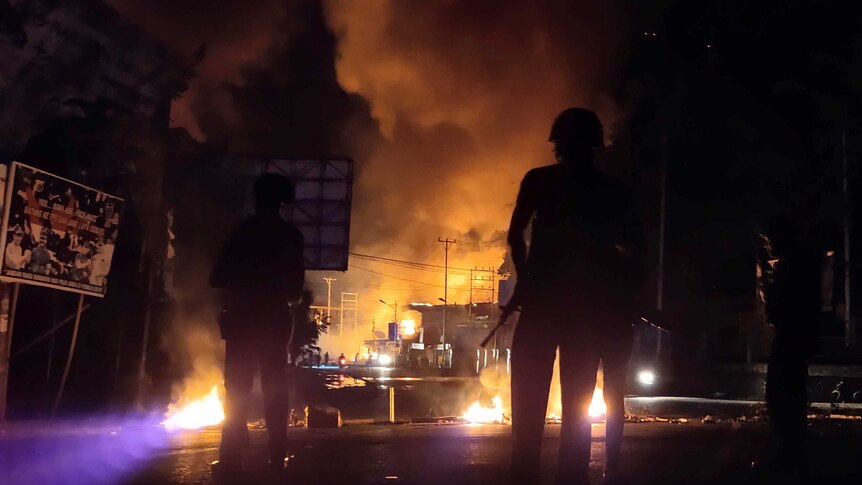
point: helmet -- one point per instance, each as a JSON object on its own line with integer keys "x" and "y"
{"x": 578, "y": 125}
{"x": 272, "y": 189}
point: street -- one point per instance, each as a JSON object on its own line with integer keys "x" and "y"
{"x": 654, "y": 453}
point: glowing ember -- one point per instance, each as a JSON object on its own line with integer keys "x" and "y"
{"x": 476, "y": 413}
{"x": 206, "y": 411}
{"x": 597, "y": 408}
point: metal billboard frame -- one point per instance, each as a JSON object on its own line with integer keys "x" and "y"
{"x": 322, "y": 209}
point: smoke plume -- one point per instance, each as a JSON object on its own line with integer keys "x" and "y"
{"x": 443, "y": 106}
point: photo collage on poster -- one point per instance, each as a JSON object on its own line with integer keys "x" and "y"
{"x": 58, "y": 233}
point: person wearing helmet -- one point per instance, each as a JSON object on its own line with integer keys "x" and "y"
{"x": 261, "y": 270}
{"x": 577, "y": 291}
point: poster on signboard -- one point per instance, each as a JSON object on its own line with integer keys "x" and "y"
{"x": 57, "y": 233}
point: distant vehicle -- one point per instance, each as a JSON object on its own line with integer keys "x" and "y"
{"x": 649, "y": 365}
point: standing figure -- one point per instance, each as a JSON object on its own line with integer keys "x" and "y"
{"x": 792, "y": 296}
{"x": 83, "y": 262}
{"x": 577, "y": 288}
{"x": 41, "y": 257}
{"x": 16, "y": 256}
{"x": 260, "y": 271}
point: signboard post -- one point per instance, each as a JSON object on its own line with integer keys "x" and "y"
{"x": 58, "y": 234}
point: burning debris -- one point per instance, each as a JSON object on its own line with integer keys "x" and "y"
{"x": 196, "y": 414}
{"x": 477, "y": 413}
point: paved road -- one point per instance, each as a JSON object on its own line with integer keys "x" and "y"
{"x": 655, "y": 453}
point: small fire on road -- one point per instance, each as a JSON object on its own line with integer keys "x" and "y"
{"x": 477, "y": 413}
{"x": 597, "y": 408}
{"x": 199, "y": 413}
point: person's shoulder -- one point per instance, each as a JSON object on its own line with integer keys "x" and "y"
{"x": 248, "y": 221}
{"x": 290, "y": 232}
{"x": 614, "y": 183}
{"x": 293, "y": 232}
{"x": 545, "y": 171}
{"x": 540, "y": 174}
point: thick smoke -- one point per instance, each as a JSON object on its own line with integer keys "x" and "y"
{"x": 464, "y": 93}
{"x": 443, "y": 106}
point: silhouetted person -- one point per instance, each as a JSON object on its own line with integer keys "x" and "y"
{"x": 326, "y": 358}
{"x": 577, "y": 288}
{"x": 261, "y": 270}
{"x": 792, "y": 296}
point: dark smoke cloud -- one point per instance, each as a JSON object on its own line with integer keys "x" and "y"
{"x": 444, "y": 106}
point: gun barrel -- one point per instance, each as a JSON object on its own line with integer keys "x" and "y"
{"x": 490, "y": 335}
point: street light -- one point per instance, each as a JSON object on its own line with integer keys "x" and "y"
{"x": 394, "y": 309}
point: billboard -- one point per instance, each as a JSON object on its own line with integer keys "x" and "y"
{"x": 57, "y": 233}
{"x": 324, "y": 192}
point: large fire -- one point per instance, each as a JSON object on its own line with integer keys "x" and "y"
{"x": 206, "y": 411}
{"x": 477, "y": 413}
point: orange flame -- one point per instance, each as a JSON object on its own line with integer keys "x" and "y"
{"x": 206, "y": 411}
{"x": 477, "y": 413}
{"x": 597, "y": 408}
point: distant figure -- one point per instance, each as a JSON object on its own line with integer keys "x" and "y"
{"x": 356, "y": 359}
{"x": 261, "y": 270}
{"x": 317, "y": 359}
{"x": 83, "y": 262}
{"x": 101, "y": 262}
{"x": 16, "y": 256}
{"x": 578, "y": 289}
{"x": 791, "y": 287}
{"x": 326, "y": 358}
{"x": 40, "y": 256}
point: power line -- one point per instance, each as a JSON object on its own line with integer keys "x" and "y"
{"x": 407, "y": 264}
{"x": 391, "y": 276}
{"x": 400, "y": 278}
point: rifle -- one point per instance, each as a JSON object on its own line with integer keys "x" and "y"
{"x": 514, "y": 305}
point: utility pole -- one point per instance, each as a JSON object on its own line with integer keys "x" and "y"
{"x": 5, "y": 346}
{"x": 849, "y": 330}
{"x": 328, "y": 298}
{"x": 446, "y": 243}
{"x": 659, "y": 297}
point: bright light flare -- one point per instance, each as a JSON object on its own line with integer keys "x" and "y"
{"x": 646, "y": 377}
{"x": 384, "y": 359}
{"x": 408, "y": 327}
{"x": 597, "y": 408}
{"x": 477, "y": 413}
{"x": 206, "y": 411}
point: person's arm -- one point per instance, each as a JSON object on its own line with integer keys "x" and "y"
{"x": 225, "y": 269}
{"x": 291, "y": 265}
{"x": 83, "y": 264}
{"x": 634, "y": 238}
{"x": 524, "y": 210}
